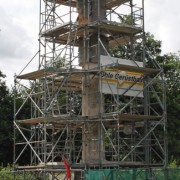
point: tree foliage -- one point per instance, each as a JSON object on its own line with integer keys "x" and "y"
{"x": 6, "y": 122}
{"x": 171, "y": 66}
{"x": 172, "y": 75}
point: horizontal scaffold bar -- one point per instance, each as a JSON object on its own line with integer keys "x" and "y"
{"x": 109, "y": 4}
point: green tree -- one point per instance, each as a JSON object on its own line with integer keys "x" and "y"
{"x": 171, "y": 65}
{"x": 6, "y": 123}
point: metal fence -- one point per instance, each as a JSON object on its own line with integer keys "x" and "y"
{"x": 97, "y": 174}
{"x": 133, "y": 174}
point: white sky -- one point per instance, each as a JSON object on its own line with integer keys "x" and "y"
{"x": 19, "y": 25}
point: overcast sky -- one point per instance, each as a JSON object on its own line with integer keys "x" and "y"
{"x": 19, "y": 24}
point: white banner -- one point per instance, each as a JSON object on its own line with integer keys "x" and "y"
{"x": 121, "y": 82}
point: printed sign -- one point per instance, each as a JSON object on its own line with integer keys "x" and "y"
{"x": 121, "y": 82}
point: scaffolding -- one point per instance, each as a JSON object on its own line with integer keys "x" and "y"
{"x": 96, "y": 99}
